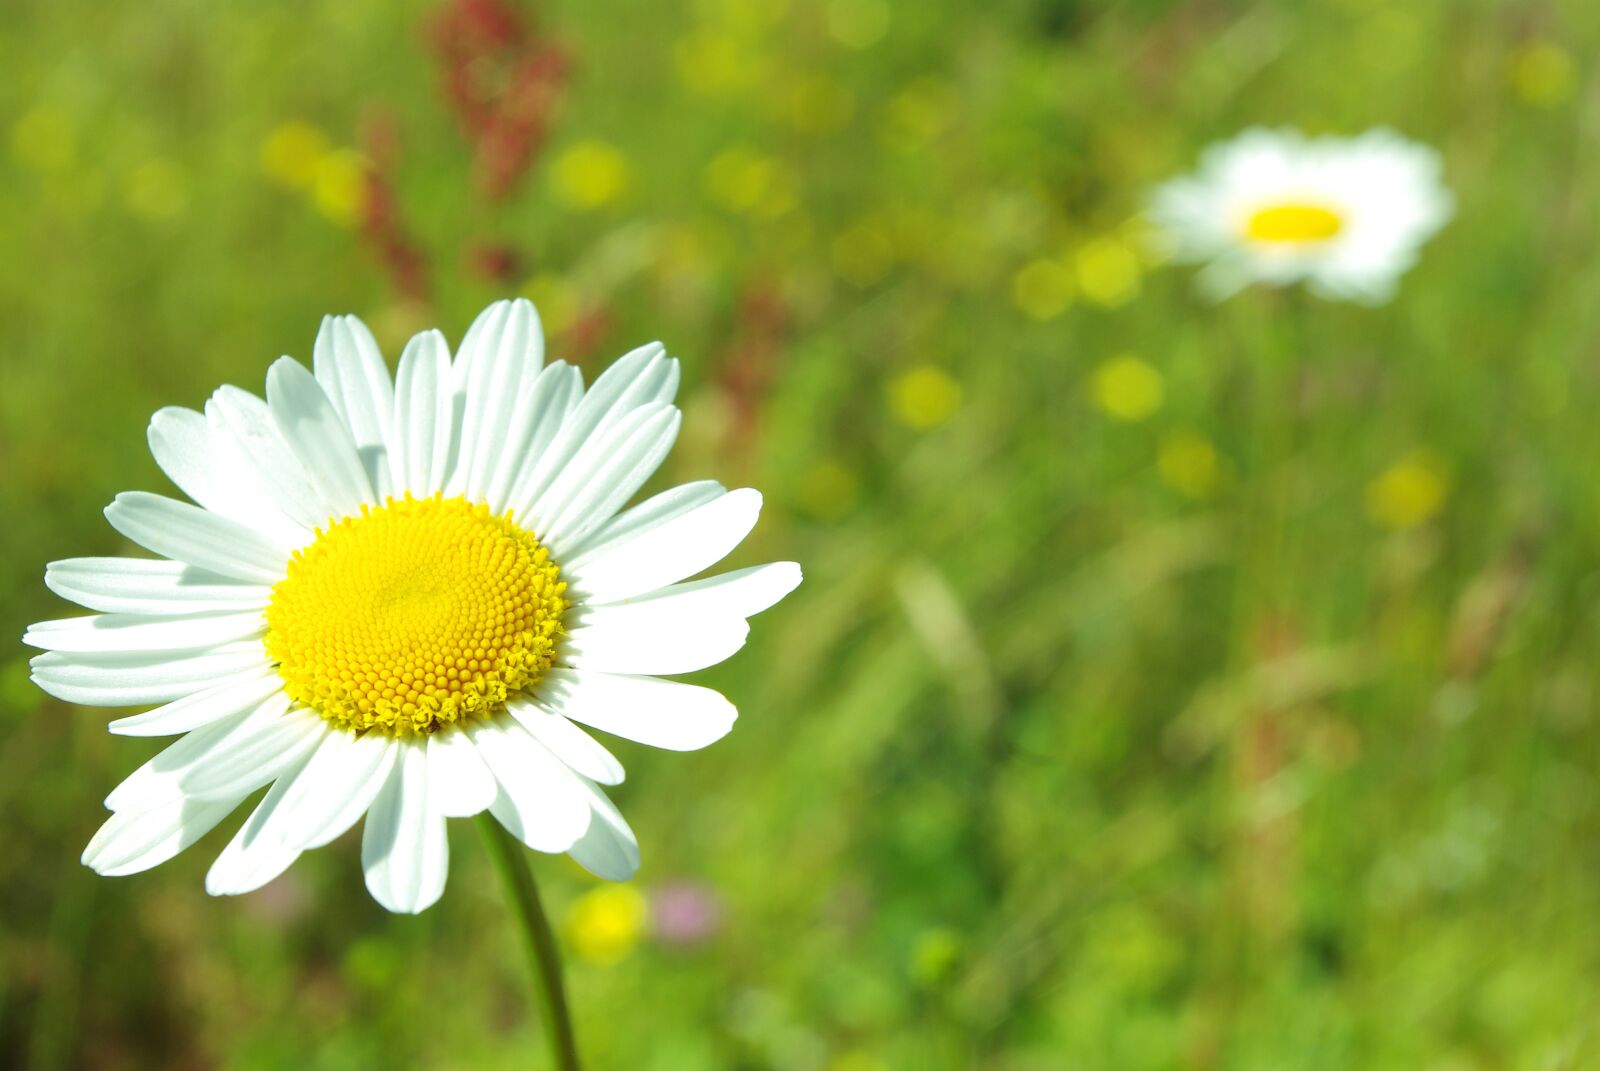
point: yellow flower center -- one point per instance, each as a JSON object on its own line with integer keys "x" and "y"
{"x": 414, "y": 616}
{"x": 1294, "y": 223}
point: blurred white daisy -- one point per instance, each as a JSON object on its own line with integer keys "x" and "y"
{"x": 1346, "y": 216}
{"x": 401, "y": 600}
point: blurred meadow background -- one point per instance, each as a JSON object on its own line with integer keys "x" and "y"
{"x": 1174, "y": 685}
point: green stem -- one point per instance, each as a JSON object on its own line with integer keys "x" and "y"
{"x": 1277, "y": 341}
{"x": 539, "y": 942}
{"x": 1290, "y": 360}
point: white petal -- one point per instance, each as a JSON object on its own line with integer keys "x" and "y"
{"x": 131, "y": 841}
{"x": 318, "y": 436}
{"x": 196, "y": 536}
{"x": 205, "y": 464}
{"x": 540, "y": 801}
{"x": 603, "y": 475}
{"x": 608, "y": 849}
{"x": 337, "y": 786}
{"x": 257, "y": 853}
{"x": 647, "y": 515}
{"x": 668, "y": 552}
{"x": 462, "y": 785}
{"x": 638, "y": 378}
{"x": 580, "y": 751}
{"x": 404, "y": 848}
{"x": 537, "y": 419}
{"x": 248, "y": 421}
{"x": 653, "y": 379}
{"x": 740, "y": 593}
{"x": 150, "y": 586}
{"x": 231, "y": 757}
{"x": 496, "y": 363}
{"x": 350, "y": 367}
{"x": 232, "y": 695}
{"x": 144, "y": 632}
{"x": 155, "y": 784}
{"x": 653, "y": 643}
{"x": 127, "y": 680}
{"x": 423, "y": 416}
{"x": 664, "y": 714}
{"x": 242, "y": 761}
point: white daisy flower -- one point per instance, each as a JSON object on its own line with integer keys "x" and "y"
{"x": 402, "y": 600}
{"x": 1344, "y": 215}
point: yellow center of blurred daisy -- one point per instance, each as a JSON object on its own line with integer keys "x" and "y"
{"x": 1294, "y": 223}
{"x": 415, "y": 616}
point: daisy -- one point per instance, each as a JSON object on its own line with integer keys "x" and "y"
{"x": 1346, "y": 216}
{"x": 406, "y": 600}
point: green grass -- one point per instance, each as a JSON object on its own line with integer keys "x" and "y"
{"x": 1048, "y": 764}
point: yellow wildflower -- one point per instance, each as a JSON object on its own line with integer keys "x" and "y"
{"x": 1543, "y": 73}
{"x": 44, "y": 139}
{"x": 1408, "y": 493}
{"x": 1188, "y": 464}
{"x": 339, "y": 190}
{"x": 1108, "y": 272}
{"x": 590, "y": 174}
{"x": 1126, "y": 388}
{"x": 924, "y": 397}
{"x": 292, "y": 153}
{"x": 1042, "y": 288}
{"x": 605, "y": 923}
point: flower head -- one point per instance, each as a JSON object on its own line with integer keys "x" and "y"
{"x": 1346, "y": 216}
{"x": 401, "y": 599}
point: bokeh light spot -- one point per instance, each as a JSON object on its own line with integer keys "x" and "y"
{"x": 157, "y": 190}
{"x": 1108, "y": 272}
{"x": 339, "y": 188}
{"x": 1126, "y": 388}
{"x": 604, "y": 924}
{"x": 1408, "y": 493}
{"x": 828, "y": 491}
{"x": 864, "y": 252}
{"x": 924, "y": 397}
{"x": 1188, "y": 464}
{"x": 44, "y": 139}
{"x": 819, "y": 105}
{"x": 1042, "y": 288}
{"x": 743, "y": 180}
{"x": 292, "y": 152}
{"x": 590, "y": 174}
{"x": 857, "y": 23}
{"x": 712, "y": 63}
{"x": 1543, "y": 74}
